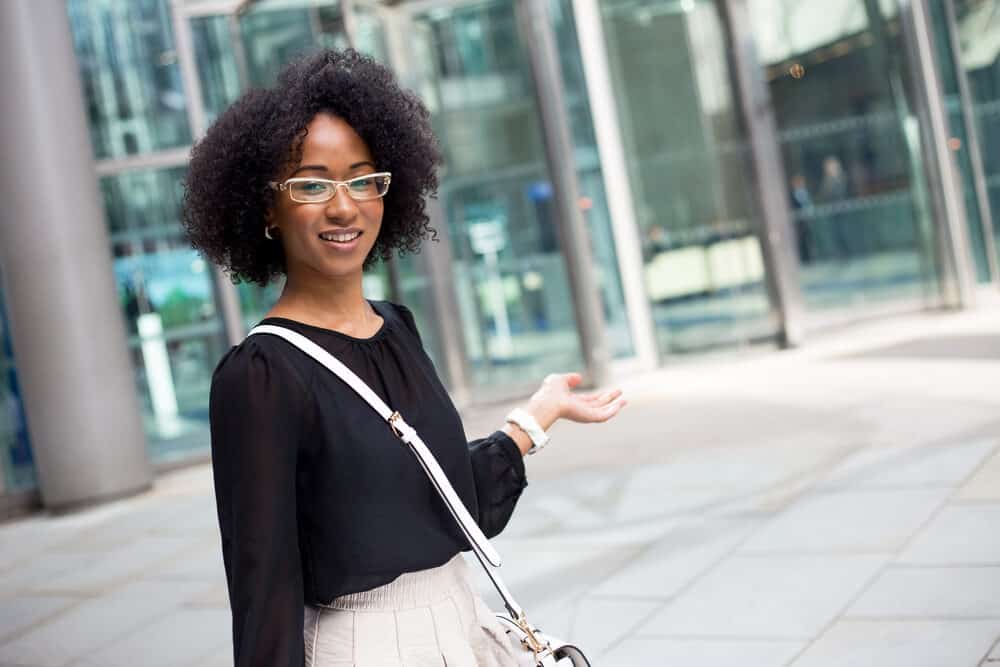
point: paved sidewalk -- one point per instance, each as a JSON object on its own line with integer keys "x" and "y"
{"x": 832, "y": 506}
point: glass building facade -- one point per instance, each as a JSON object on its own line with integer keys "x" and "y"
{"x": 665, "y": 158}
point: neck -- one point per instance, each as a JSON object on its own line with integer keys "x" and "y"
{"x": 328, "y": 301}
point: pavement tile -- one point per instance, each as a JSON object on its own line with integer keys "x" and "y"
{"x": 913, "y": 643}
{"x": 181, "y": 637}
{"x": 995, "y": 653}
{"x": 700, "y": 653}
{"x": 985, "y": 484}
{"x": 675, "y": 559}
{"x": 118, "y": 565}
{"x": 781, "y": 597}
{"x": 958, "y": 535}
{"x": 220, "y": 658}
{"x": 77, "y": 633}
{"x": 543, "y": 577}
{"x": 879, "y": 521}
{"x": 38, "y": 571}
{"x": 946, "y": 592}
{"x": 204, "y": 564}
{"x": 19, "y": 613}
{"x": 662, "y": 502}
{"x": 948, "y": 464}
{"x": 600, "y": 622}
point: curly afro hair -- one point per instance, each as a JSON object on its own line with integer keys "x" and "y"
{"x": 260, "y": 136}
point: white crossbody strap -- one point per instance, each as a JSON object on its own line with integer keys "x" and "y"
{"x": 481, "y": 547}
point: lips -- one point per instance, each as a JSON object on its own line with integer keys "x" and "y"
{"x": 329, "y": 239}
{"x": 340, "y": 235}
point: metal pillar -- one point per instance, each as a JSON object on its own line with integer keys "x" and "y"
{"x": 777, "y": 234}
{"x": 958, "y": 277}
{"x": 226, "y": 295}
{"x": 610, "y": 147}
{"x": 435, "y": 258}
{"x": 66, "y": 325}
{"x": 972, "y": 137}
{"x": 536, "y": 31}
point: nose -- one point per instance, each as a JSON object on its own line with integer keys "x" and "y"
{"x": 341, "y": 205}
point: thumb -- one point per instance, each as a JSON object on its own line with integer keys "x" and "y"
{"x": 573, "y": 379}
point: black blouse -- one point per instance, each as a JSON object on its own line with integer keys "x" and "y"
{"x": 317, "y": 497}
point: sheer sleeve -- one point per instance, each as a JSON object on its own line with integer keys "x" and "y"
{"x": 498, "y": 470}
{"x": 258, "y": 416}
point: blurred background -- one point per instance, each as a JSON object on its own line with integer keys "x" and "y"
{"x": 659, "y": 193}
{"x": 746, "y": 172}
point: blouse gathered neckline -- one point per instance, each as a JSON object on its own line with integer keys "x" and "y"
{"x": 380, "y": 333}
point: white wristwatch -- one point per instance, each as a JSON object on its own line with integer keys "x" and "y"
{"x": 523, "y": 420}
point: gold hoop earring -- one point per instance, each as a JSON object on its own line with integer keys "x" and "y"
{"x": 267, "y": 232}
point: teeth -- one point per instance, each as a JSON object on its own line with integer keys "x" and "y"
{"x": 342, "y": 238}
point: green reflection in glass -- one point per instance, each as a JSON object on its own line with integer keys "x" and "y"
{"x": 510, "y": 280}
{"x": 217, "y": 52}
{"x": 168, "y": 301}
{"x": 275, "y": 33}
{"x": 131, "y": 82}
{"x": 687, "y": 158}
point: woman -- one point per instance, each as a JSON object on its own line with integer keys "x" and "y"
{"x": 336, "y": 548}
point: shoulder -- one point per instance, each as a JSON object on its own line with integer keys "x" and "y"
{"x": 404, "y": 314}
{"x": 258, "y": 360}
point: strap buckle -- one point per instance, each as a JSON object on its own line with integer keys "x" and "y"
{"x": 392, "y": 424}
{"x": 533, "y": 642}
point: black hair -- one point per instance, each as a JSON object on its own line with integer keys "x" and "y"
{"x": 257, "y": 138}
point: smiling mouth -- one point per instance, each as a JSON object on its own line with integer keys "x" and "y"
{"x": 343, "y": 239}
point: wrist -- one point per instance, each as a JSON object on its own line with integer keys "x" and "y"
{"x": 544, "y": 412}
{"x": 527, "y": 427}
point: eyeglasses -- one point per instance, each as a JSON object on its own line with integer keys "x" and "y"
{"x": 318, "y": 190}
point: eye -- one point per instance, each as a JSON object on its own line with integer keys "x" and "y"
{"x": 363, "y": 184}
{"x": 312, "y": 187}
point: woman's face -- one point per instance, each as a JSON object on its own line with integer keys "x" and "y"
{"x": 331, "y": 149}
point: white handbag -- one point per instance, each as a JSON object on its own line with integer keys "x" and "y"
{"x": 546, "y": 651}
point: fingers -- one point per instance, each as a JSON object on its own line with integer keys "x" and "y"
{"x": 601, "y": 397}
{"x": 594, "y": 412}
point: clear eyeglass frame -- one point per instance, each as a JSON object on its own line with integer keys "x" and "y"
{"x": 294, "y": 192}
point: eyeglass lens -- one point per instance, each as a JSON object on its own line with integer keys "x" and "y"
{"x": 365, "y": 187}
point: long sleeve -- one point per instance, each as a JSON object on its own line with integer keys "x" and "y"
{"x": 258, "y": 416}
{"x": 497, "y": 466}
{"x": 498, "y": 470}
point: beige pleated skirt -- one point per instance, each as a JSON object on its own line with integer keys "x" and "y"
{"x": 430, "y": 618}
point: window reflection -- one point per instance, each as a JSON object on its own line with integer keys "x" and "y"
{"x": 131, "y": 81}
{"x": 850, "y": 149}
{"x": 511, "y": 284}
{"x": 687, "y": 160}
{"x": 166, "y": 293}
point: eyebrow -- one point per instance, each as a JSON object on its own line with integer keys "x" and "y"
{"x": 319, "y": 167}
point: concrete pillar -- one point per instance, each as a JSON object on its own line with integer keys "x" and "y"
{"x": 67, "y": 329}
{"x": 543, "y": 56}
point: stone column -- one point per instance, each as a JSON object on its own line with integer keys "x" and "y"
{"x": 67, "y": 328}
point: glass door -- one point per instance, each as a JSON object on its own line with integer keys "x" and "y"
{"x": 851, "y": 150}
{"x": 514, "y": 298}
{"x": 687, "y": 158}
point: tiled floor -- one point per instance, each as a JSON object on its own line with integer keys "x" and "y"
{"x": 831, "y": 506}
